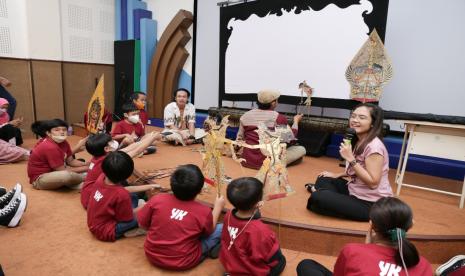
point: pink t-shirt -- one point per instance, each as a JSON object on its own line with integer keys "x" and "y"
{"x": 356, "y": 186}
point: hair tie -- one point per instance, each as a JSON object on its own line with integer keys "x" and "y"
{"x": 393, "y": 234}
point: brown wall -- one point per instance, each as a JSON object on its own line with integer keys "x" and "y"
{"x": 18, "y": 72}
{"x": 54, "y": 89}
{"x": 79, "y": 82}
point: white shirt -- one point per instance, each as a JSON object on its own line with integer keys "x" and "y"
{"x": 172, "y": 115}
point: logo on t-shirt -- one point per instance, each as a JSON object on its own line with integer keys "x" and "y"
{"x": 98, "y": 196}
{"x": 388, "y": 269}
{"x": 91, "y": 166}
{"x": 178, "y": 214}
{"x": 232, "y": 232}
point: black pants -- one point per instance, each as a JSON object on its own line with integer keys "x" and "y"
{"x": 279, "y": 267}
{"x": 312, "y": 268}
{"x": 332, "y": 198}
{"x": 8, "y": 131}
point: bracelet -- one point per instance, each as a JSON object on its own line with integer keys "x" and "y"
{"x": 353, "y": 163}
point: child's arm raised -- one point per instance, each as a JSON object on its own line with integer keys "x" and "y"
{"x": 219, "y": 205}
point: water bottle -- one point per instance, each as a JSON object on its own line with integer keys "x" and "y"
{"x": 70, "y": 130}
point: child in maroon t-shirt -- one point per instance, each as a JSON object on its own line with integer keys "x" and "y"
{"x": 99, "y": 145}
{"x": 248, "y": 246}
{"x": 110, "y": 208}
{"x": 181, "y": 232}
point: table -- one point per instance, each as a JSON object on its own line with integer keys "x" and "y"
{"x": 431, "y": 139}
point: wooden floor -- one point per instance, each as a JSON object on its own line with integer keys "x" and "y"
{"x": 53, "y": 238}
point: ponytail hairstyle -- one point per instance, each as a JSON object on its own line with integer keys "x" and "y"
{"x": 391, "y": 219}
{"x": 40, "y": 128}
{"x": 377, "y": 117}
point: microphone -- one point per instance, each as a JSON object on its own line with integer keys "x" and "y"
{"x": 348, "y": 136}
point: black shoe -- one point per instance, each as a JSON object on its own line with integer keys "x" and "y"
{"x": 150, "y": 150}
{"x": 453, "y": 264}
{"x": 2, "y": 191}
{"x": 11, "y": 195}
{"x": 310, "y": 187}
{"x": 10, "y": 216}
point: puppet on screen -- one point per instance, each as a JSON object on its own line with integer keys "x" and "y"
{"x": 96, "y": 109}
{"x": 369, "y": 71}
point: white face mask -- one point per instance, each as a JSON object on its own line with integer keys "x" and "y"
{"x": 59, "y": 138}
{"x": 134, "y": 118}
{"x": 114, "y": 145}
{"x": 2, "y": 110}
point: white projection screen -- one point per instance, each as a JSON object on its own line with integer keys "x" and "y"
{"x": 278, "y": 44}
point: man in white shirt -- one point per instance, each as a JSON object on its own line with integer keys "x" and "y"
{"x": 179, "y": 120}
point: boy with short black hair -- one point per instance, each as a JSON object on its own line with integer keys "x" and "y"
{"x": 248, "y": 246}
{"x": 139, "y": 99}
{"x": 99, "y": 145}
{"x": 180, "y": 231}
{"x": 110, "y": 208}
{"x": 130, "y": 129}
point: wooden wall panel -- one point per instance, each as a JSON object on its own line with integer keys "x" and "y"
{"x": 48, "y": 89}
{"x": 18, "y": 72}
{"x": 79, "y": 82}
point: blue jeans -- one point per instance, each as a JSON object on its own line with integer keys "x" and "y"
{"x": 123, "y": 227}
{"x": 211, "y": 241}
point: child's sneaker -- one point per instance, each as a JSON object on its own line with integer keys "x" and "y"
{"x": 10, "y": 216}
{"x": 11, "y": 195}
{"x": 135, "y": 233}
{"x": 455, "y": 263}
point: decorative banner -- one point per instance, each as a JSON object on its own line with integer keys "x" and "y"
{"x": 96, "y": 109}
{"x": 369, "y": 71}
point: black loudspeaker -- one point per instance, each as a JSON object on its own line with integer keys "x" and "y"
{"x": 315, "y": 142}
{"x": 124, "y": 74}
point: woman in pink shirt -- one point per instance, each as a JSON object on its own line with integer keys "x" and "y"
{"x": 366, "y": 171}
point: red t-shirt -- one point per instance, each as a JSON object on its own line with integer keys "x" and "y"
{"x": 144, "y": 118}
{"x": 373, "y": 259}
{"x": 94, "y": 171}
{"x": 108, "y": 205}
{"x": 123, "y": 127}
{"x": 249, "y": 123}
{"x": 252, "y": 249}
{"x": 174, "y": 231}
{"x": 46, "y": 156}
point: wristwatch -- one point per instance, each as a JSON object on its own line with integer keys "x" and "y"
{"x": 353, "y": 163}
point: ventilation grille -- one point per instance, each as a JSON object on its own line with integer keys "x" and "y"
{"x": 3, "y": 9}
{"x": 80, "y": 17}
{"x": 81, "y": 47}
{"x": 5, "y": 41}
{"x": 106, "y": 22}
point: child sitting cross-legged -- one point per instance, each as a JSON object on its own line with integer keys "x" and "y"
{"x": 180, "y": 231}
{"x": 110, "y": 212}
{"x": 248, "y": 246}
{"x": 100, "y": 145}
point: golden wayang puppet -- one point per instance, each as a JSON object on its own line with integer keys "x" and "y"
{"x": 96, "y": 109}
{"x": 214, "y": 148}
{"x": 369, "y": 71}
{"x": 273, "y": 172}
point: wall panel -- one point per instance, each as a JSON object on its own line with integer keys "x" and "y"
{"x": 48, "y": 89}
{"x": 79, "y": 82}
{"x": 18, "y": 72}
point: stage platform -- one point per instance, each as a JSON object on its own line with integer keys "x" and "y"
{"x": 53, "y": 238}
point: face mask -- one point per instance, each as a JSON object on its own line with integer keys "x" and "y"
{"x": 114, "y": 145}
{"x": 140, "y": 105}
{"x": 2, "y": 110}
{"x": 134, "y": 119}
{"x": 59, "y": 138}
